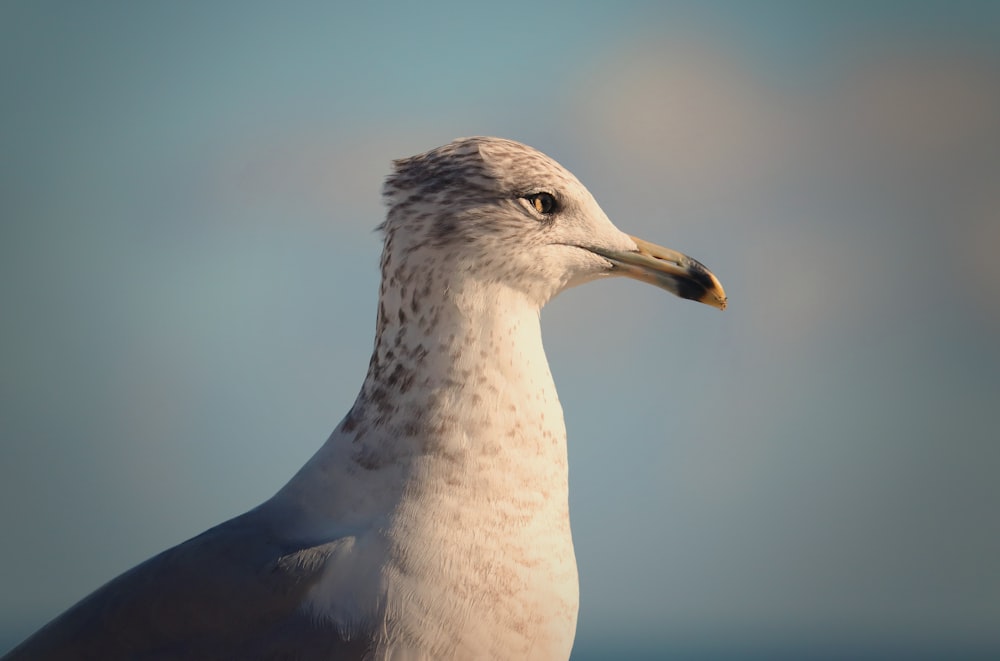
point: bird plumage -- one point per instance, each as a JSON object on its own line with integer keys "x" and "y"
{"x": 434, "y": 522}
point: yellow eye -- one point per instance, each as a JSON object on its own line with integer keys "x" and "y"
{"x": 544, "y": 203}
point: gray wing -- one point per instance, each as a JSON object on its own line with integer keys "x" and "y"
{"x": 232, "y": 592}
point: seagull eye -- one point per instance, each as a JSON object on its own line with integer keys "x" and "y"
{"x": 544, "y": 203}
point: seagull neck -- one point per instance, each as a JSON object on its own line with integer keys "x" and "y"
{"x": 459, "y": 394}
{"x": 455, "y": 374}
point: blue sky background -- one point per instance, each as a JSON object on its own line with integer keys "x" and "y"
{"x": 188, "y": 273}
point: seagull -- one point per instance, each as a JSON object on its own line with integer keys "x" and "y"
{"x": 434, "y": 521}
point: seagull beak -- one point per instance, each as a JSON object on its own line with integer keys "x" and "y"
{"x": 667, "y": 269}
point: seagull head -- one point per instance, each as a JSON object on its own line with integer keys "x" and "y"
{"x": 500, "y": 212}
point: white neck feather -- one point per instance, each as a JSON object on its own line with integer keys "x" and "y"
{"x": 458, "y": 446}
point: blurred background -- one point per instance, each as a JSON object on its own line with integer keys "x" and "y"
{"x": 188, "y": 280}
